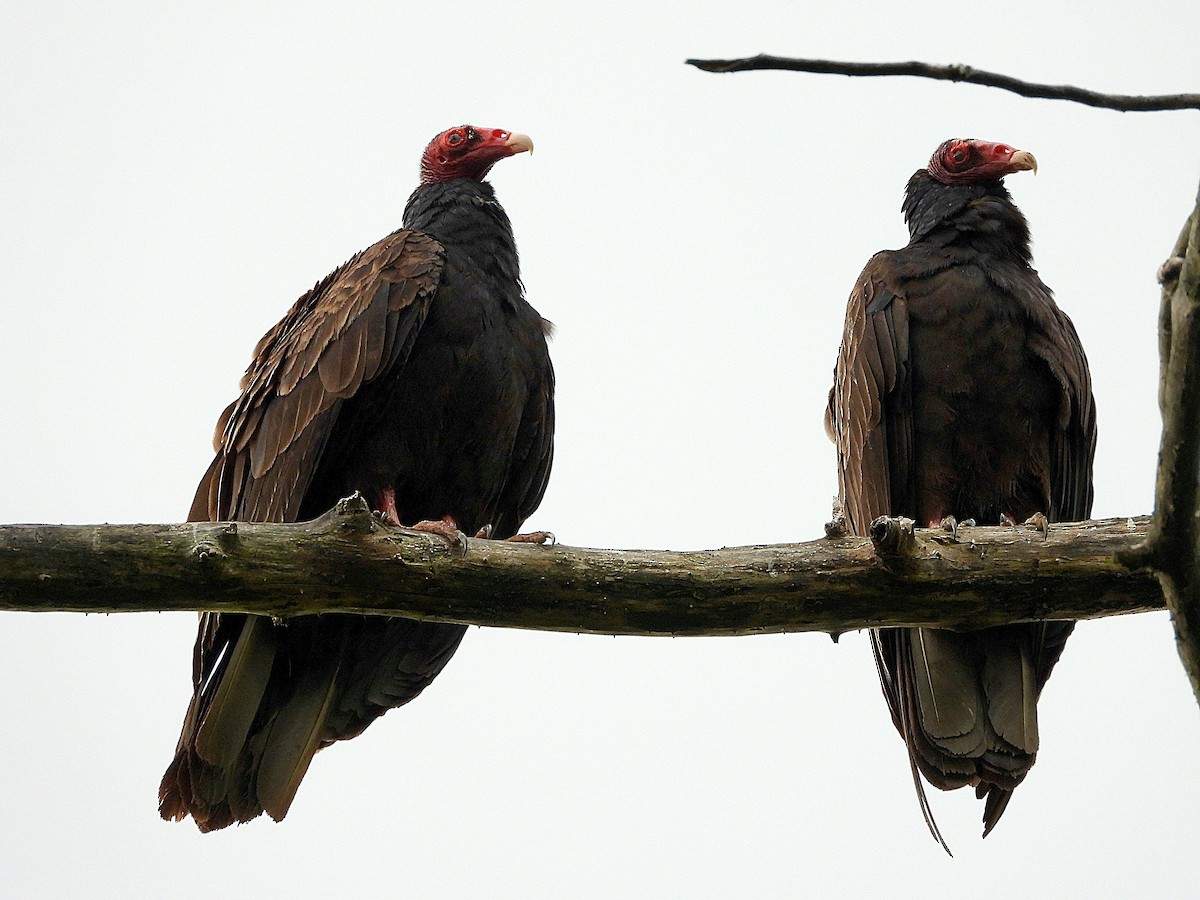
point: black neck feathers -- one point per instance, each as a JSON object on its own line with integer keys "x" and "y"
{"x": 982, "y": 215}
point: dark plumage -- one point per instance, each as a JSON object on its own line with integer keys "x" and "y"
{"x": 961, "y": 390}
{"x": 417, "y": 374}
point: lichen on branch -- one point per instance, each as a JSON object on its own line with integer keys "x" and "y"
{"x": 348, "y": 561}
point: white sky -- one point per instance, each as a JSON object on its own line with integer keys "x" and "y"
{"x": 174, "y": 176}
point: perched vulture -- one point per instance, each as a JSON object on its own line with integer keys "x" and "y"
{"x": 962, "y": 392}
{"x": 417, "y": 374}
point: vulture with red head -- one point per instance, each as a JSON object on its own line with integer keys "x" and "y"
{"x": 962, "y": 392}
{"x": 418, "y": 375}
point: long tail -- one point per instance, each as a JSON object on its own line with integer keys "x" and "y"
{"x": 966, "y": 707}
{"x": 267, "y": 697}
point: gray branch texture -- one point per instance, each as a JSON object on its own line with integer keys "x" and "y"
{"x": 347, "y": 561}
{"x": 956, "y": 72}
{"x": 1171, "y": 548}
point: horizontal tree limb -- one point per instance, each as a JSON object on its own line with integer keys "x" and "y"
{"x": 956, "y": 72}
{"x": 348, "y": 561}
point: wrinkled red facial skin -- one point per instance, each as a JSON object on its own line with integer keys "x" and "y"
{"x": 464, "y": 152}
{"x": 968, "y": 161}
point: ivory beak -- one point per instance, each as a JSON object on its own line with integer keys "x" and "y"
{"x": 523, "y": 143}
{"x": 1022, "y": 160}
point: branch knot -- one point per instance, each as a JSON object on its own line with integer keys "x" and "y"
{"x": 894, "y": 540}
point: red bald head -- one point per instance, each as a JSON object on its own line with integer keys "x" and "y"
{"x": 469, "y": 152}
{"x": 968, "y": 161}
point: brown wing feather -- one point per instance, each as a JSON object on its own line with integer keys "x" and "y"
{"x": 533, "y": 452}
{"x": 870, "y": 418}
{"x": 352, "y": 327}
{"x": 1073, "y": 444}
{"x": 328, "y": 345}
{"x": 874, "y": 444}
{"x": 965, "y": 704}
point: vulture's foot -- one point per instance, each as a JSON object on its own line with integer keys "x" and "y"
{"x": 444, "y": 527}
{"x": 951, "y": 524}
{"x": 387, "y": 507}
{"x": 534, "y": 537}
{"x": 1006, "y": 519}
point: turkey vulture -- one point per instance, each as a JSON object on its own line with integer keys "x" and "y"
{"x": 961, "y": 391}
{"x": 416, "y": 374}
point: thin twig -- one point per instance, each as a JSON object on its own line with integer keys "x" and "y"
{"x": 957, "y": 72}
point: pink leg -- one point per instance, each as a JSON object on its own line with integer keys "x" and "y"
{"x": 448, "y": 528}
{"x": 387, "y": 506}
{"x": 533, "y": 537}
{"x": 445, "y": 527}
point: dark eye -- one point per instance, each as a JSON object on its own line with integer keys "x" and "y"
{"x": 454, "y": 138}
{"x": 958, "y": 155}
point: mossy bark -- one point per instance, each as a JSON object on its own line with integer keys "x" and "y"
{"x": 1172, "y": 546}
{"x": 347, "y": 561}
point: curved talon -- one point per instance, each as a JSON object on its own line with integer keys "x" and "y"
{"x": 950, "y": 524}
{"x": 485, "y": 532}
{"x": 1006, "y": 519}
{"x": 1040, "y": 522}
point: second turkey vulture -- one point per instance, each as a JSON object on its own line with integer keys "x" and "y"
{"x": 962, "y": 391}
{"x": 417, "y": 374}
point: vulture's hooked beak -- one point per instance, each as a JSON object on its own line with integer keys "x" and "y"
{"x": 523, "y": 143}
{"x": 1021, "y": 161}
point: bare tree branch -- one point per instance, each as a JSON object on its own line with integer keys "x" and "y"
{"x": 957, "y": 72}
{"x": 347, "y": 561}
{"x": 1171, "y": 545}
